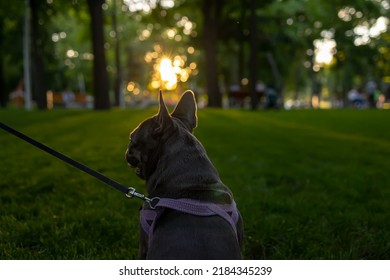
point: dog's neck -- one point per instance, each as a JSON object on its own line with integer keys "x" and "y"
{"x": 191, "y": 165}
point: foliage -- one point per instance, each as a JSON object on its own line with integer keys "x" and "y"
{"x": 309, "y": 184}
{"x": 285, "y": 29}
{"x": 11, "y": 24}
{"x": 71, "y": 40}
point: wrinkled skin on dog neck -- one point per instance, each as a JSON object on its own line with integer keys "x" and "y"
{"x": 174, "y": 164}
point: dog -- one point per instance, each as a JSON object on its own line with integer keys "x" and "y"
{"x": 180, "y": 177}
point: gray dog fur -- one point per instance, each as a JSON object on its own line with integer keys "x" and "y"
{"x": 174, "y": 164}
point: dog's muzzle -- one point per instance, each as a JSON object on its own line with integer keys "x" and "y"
{"x": 133, "y": 162}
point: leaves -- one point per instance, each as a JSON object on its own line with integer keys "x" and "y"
{"x": 287, "y": 28}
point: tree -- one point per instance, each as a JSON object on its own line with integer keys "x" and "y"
{"x": 38, "y": 63}
{"x": 100, "y": 76}
{"x": 70, "y": 63}
{"x": 211, "y": 12}
{"x": 11, "y": 64}
{"x": 118, "y": 68}
{"x": 253, "y": 63}
{"x": 3, "y": 92}
{"x": 276, "y": 47}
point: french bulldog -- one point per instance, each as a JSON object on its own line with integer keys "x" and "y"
{"x": 174, "y": 164}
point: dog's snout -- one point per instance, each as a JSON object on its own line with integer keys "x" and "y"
{"x": 131, "y": 159}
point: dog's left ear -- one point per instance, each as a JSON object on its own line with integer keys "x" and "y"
{"x": 163, "y": 117}
{"x": 186, "y": 110}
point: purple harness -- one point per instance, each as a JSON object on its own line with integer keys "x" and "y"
{"x": 148, "y": 217}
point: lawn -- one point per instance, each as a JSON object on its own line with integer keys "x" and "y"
{"x": 310, "y": 184}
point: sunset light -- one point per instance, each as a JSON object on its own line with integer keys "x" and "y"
{"x": 167, "y": 73}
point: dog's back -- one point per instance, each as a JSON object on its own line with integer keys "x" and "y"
{"x": 184, "y": 236}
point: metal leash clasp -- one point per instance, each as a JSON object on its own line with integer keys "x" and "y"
{"x": 131, "y": 193}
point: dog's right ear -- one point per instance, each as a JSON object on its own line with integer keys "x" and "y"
{"x": 163, "y": 117}
{"x": 186, "y": 110}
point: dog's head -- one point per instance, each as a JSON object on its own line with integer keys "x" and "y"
{"x": 146, "y": 141}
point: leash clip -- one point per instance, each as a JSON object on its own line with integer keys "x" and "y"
{"x": 131, "y": 193}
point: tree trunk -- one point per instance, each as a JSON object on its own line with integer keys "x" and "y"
{"x": 279, "y": 86}
{"x": 3, "y": 91}
{"x": 38, "y": 68}
{"x": 211, "y": 10}
{"x": 118, "y": 72}
{"x": 241, "y": 46}
{"x": 100, "y": 76}
{"x": 27, "y": 56}
{"x": 253, "y": 64}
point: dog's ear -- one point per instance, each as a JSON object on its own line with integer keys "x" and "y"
{"x": 163, "y": 117}
{"x": 186, "y": 110}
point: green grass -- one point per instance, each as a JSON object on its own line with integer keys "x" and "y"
{"x": 309, "y": 184}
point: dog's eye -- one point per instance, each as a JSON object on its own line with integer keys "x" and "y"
{"x": 133, "y": 139}
{"x": 132, "y": 142}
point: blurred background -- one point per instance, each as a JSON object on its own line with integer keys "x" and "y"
{"x": 247, "y": 54}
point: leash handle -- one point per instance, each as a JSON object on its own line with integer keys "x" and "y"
{"x": 67, "y": 159}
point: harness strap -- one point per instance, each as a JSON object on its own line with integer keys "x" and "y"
{"x": 228, "y": 212}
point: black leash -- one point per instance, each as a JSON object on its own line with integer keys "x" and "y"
{"x": 130, "y": 192}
